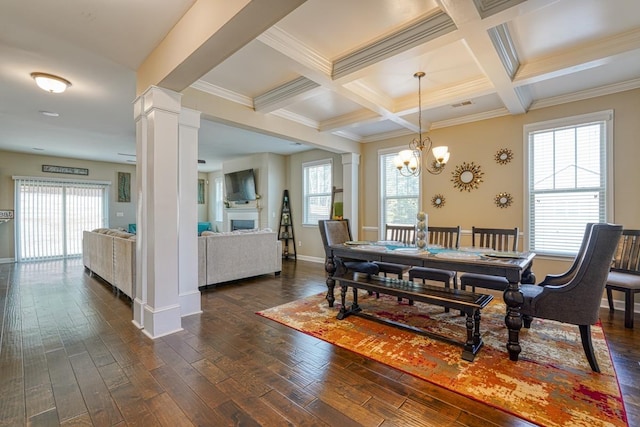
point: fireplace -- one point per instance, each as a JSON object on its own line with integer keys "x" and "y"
{"x": 242, "y": 224}
{"x": 242, "y": 218}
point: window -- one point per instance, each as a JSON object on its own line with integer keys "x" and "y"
{"x": 51, "y": 216}
{"x": 317, "y": 177}
{"x": 399, "y": 195}
{"x": 568, "y": 180}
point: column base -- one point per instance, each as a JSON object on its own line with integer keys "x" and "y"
{"x": 190, "y": 303}
{"x": 161, "y": 322}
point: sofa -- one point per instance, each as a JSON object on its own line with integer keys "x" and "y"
{"x": 227, "y": 256}
{"x": 222, "y": 257}
{"x": 111, "y": 254}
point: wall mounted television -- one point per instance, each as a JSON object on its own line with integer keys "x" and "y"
{"x": 240, "y": 186}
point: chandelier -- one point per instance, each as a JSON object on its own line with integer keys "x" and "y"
{"x": 409, "y": 161}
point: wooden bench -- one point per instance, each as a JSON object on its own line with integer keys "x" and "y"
{"x": 469, "y": 303}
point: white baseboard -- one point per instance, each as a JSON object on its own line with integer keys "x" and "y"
{"x": 311, "y": 259}
{"x": 618, "y": 305}
{"x": 7, "y": 260}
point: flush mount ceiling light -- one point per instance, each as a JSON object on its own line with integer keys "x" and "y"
{"x": 51, "y": 83}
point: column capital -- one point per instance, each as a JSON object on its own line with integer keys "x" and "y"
{"x": 351, "y": 158}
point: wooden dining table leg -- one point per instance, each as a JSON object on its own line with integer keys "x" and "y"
{"x": 330, "y": 268}
{"x": 514, "y": 299}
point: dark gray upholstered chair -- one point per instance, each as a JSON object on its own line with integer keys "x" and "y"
{"x": 577, "y": 301}
{"x": 625, "y": 273}
{"x": 398, "y": 233}
{"x": 335, "y": 232}
{"x": 499, "y": 239}
{"x": 447, "y": 237}
{"x": 561, "y": 279}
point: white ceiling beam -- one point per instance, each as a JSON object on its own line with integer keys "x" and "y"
{"x": 210, "y": 32}
{"x": 583, "y": 57}
{"x": 481, "y": 47}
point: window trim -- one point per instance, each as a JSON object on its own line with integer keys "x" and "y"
{"x": 305, "y": 165}
{"x": 608, "y": 117}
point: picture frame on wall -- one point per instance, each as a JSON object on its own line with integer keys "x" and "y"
{"x": 201, "y": 191}
{"x": 124, "y": 187}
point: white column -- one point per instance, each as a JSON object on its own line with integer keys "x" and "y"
{"x": 189, "y": 296}
{"x": 157, "y": 305}
{"x": 350, "y": 174}
{"x": 140, "y": 291}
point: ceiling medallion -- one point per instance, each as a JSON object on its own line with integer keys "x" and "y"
{"x": 467, "y": 176}
{"x": 504, "y": 156}
{"x": 503, "y": 200}
{"x": 438, "y": 201}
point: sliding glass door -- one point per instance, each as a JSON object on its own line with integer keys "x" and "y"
{"x": 52, "y": 214}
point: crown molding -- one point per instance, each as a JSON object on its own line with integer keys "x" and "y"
{"x": 214, "y": 90}
{"x": 296, "y": 118}
{"x": 283, "y": 93}
{"x": 414, "y": 34}
{"x": 503, "y": 44}
{"x": 283, "y": 42}
{"x": 586, "y": 94}
{"x": 487, "y": 8}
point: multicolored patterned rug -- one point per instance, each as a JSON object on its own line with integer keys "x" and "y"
{"x": 550, "y": 385}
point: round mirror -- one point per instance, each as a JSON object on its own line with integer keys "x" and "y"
{"x": 504, "y": 156}
{"x": 437, "y": 201}
{"x": 467, "y": 176}
{"x": 503, "y": 200}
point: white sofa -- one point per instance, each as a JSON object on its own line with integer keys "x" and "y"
{"x": 223, "y": 257}
{"x": 111, "y": 254}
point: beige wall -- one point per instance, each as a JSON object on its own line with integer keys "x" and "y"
{"x": 478, "y": 142}
{"x": 18, "y": 164}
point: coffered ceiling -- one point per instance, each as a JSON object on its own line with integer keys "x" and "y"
{"x": 342, "y": 68}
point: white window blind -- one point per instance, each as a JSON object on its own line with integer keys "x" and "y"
{"x": 568, "y": 182}
{"x": 399, "y": 195}
{"x": 318, "y": 179}
{"x": 51, "y": 216}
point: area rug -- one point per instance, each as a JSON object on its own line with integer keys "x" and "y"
{"x": 550, "y": 385}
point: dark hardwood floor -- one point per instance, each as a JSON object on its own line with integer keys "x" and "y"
{"x": 70, "y": 355}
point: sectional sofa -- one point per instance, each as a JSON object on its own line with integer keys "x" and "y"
{"x": 222, "y": 257}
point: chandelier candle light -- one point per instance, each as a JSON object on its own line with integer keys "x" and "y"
{"x": 409, "y": 161}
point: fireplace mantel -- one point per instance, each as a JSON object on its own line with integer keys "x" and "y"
{"x": 242, "y": 213}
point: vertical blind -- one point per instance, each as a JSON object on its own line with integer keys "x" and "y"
{"x": 52, "y": 214}
{"x": 318, "y": 179}
{"x": 567, "y": 185}
{"x": 399, "y": 194}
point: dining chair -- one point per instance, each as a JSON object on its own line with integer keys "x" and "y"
{"x": 625, "y": 273}
{"x": 447, "y": 237}
{"x": 403, "y": 233}
{"x": 561, "y": 279}
{"x": 335, "y": 232}
{"x": 577, "y": 301}
{"x": 398, "y": 233}
{"x": 499, "y": 239}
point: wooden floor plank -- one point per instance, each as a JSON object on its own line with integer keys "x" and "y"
{"x": 97, "y": 398}
{"x": 68, "y": 397}
{"x": 68, "y": 339}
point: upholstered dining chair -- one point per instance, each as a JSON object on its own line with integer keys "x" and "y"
{"x": 577, "y": 301}
{"x": 499, "y": 239}
{"x": 625, "y": 273}
{"x": 561, "y": 279}
{"x": 335, "y": 232}
{"x": 447, "y": 237}
{"x": 398, "y": 233}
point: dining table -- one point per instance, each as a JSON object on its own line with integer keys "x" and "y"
{"x": 514, "y": 266}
